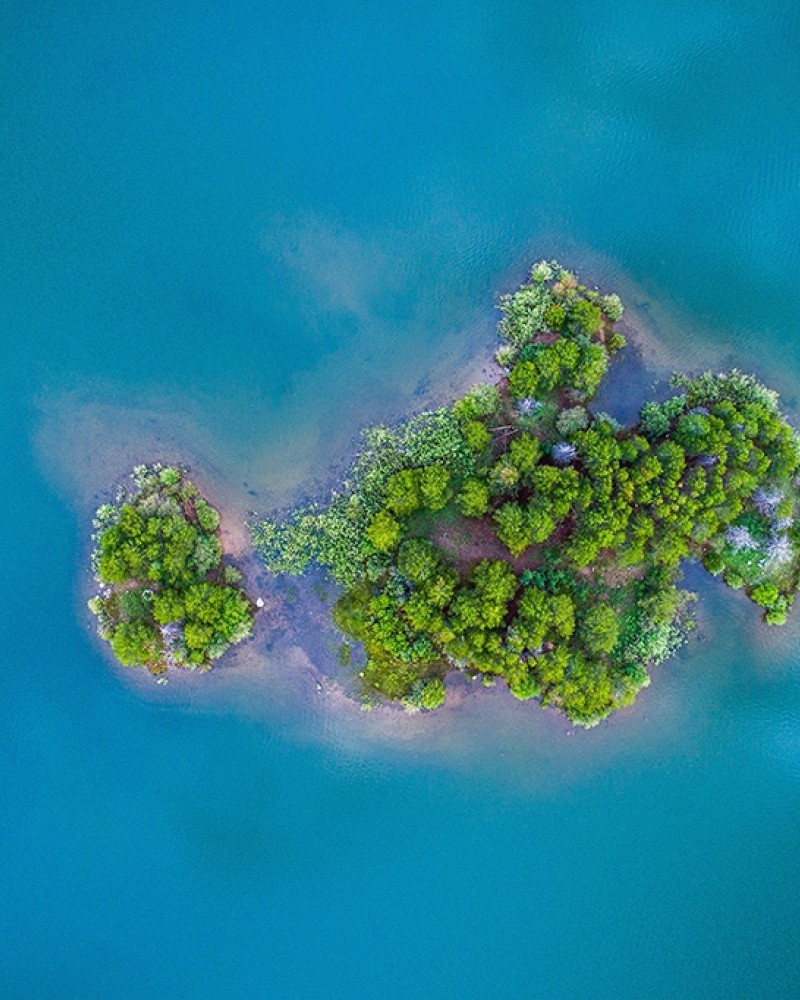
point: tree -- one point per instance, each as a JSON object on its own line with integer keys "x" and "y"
{"x": 432, "y": 694}
{"x": 766, "y": 594}
{"x": 599, "y": 630}
{"x": 525, "y": 452}
{"x": 402, "y": 495}
{"x": 586, "y": 316}
{"x": 473, "y": 500}
{"x": 207, "y": 516}
{"x": 434, "y": 486}
{"x": 418, "y": 560}
{"x": 513, "y": 527}
{"x": 383, "y": 531}
{"x": 476, "y": 436}
{"x": 136, "y": 644}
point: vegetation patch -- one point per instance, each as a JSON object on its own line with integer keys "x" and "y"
{"x": 519, "y": 535}
{"x": 166, "y": 596}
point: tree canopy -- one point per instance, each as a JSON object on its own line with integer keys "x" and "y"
{"x": 567, "y": 588}
{"x": 166, "y": 597}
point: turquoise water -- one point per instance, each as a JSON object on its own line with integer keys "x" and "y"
{"x": 237, "y": 232}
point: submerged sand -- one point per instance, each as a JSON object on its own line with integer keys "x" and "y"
{"x": 288, "y": 674}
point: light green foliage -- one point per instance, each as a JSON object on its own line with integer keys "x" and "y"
{"x": 612, "y": 307}
{"x": 598, "y": 518}
{"x": 776, "y": 615}
{"x": 555, "y": 317}
{"x": 503, "y": 476}
{"x": 136, "y": 644}
{"x": 476, "y": 436}
{"x": 513, "y": 527}
{"x": 480, "y": 403}
{"x": 156, "y": 549}
{"x": 524, "y": 313}
{"x": 586, "y": 316}
{"x": 383, "y": 531}
{"x": 574, "y": 418}
{"x": 564, "y": 364}
{"x": 766, "y": 594}
{"x": 473, "y": 500}
{"x": 418, "y": 560}
{"x": 434, "y": 486}
{"x": 616, "y": 342}
{"x": 429, "y": 694}
{"x": 168, "y": 606}
{"x": 524, "y": 452}
{"x": 332, "y": 535}
{"x": 402, "y": 496}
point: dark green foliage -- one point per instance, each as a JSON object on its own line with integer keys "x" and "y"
{"x": 166, "y": 598}
{"x": 597, "y": 518}
{"x": 599, "y": 630}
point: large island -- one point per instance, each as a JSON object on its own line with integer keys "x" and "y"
{"x": 520, "y": 535}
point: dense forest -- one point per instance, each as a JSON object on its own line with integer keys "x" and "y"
{"x": 520, "y": 535}
{"x": 167, "y": 598}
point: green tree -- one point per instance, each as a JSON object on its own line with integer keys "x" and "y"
{"x": 136, "y": 644}
{"x": 599, "y": 630}
{"x": 473, "y": 500}
{"x": 383, "y": 531}
{"x": 434, "y": 486}
{"x": 402, "y": 496}
{"x": 513, "y": 527}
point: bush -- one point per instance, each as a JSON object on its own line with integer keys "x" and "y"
{"x": 612, "y": 307}
{"x": 207, "y": 516}
{"x": 713, "y": 562}
{"x": 434, "y": 486}
{"x": 766, "y": 595}
{"x": 575, "y": 418}
{"x": 586, "y": 317}
{"x": 431, "y": 694}
{"x": 136, "y": 644}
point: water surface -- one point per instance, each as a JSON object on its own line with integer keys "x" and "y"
{"x": 238, "y": 232}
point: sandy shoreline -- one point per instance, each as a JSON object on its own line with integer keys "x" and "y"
{"x": 289, "y": 665}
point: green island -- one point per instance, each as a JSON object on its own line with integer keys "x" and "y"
{"x": 519, "y": 535}
{"x": 166, "y": 596}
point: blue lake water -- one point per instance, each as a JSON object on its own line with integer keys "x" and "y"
{"x": 237, "y": 232}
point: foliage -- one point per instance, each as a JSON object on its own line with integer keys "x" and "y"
{"x": 383, "y": 531}
{"x": 334, "y": 534}
{"x": 473, "y": 499}
{"x": 596, "y": 519}
{"x": 166, "y": 598}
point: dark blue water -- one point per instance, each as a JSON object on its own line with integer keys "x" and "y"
{"x": 238, "y": 231}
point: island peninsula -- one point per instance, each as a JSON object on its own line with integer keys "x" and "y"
{"x": 520, "y": 536}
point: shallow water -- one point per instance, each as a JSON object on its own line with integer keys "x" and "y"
{"x": 237, "y": 234}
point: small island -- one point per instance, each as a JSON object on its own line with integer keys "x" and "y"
{"x": 167, "y": 597}
{"x": 518, "y": 535}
